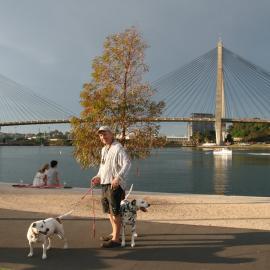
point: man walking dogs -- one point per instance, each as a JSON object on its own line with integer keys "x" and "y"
{"x": 113, "y": 170}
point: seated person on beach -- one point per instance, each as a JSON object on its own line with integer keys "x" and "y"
{"x": 40, "y": 178}
{"x": 52, "y": 174}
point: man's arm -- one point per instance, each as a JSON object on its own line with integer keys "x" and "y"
{"x": 96, "y": 179}
{"x": 125, "y": 164}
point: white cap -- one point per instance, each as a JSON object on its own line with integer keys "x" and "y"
{"x": 104, "y": 128}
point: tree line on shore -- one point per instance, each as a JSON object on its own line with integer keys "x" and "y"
{"x": 237, "y": 132}
{"x": 256, "y": 132}
{"x": 248, "y": 132}
{"x": 54, "y": 137}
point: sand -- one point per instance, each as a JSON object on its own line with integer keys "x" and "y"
{"x": 210, "y": 210}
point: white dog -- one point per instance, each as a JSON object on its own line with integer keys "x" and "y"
{"x": 128, "y": 211}
{"x": 42, "y": 230}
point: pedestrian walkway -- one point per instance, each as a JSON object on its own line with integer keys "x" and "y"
{"x": 159, "y": 246}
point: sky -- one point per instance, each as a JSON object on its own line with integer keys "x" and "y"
{"x": 48, "y": 46}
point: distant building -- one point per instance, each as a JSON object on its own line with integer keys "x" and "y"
{"x": 176, "y": 139}
{"x": 201, "y": 127}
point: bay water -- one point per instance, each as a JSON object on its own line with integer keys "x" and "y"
{"x": 171, "y": 170}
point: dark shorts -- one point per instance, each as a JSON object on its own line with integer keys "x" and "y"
{"x": 111, "y": 199}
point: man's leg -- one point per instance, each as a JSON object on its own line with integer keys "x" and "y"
{"x": 112, "y": 223}
{"x": 116, "y": 197}
{"x": 105, "y": 198}
{"x": 114, "y": 204}
{"x": 116, "y": 227}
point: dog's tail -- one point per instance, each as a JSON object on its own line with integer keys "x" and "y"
{"x": 129, "y": 192}
{"x": 66, "y": 214}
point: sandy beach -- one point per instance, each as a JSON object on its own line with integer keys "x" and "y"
{"x": 209, "y": 210}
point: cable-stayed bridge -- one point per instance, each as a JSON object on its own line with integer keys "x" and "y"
{"x": 218, "y": 83}
{"x": 21, "y": 106}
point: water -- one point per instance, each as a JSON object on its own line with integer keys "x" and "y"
{"x": 173, "y": 170}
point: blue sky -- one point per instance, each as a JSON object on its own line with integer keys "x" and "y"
{"x": 48, "y": 45}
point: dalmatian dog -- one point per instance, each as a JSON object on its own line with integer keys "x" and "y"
{"x": 128, "y": 212}
{"x": 42, "y": 230}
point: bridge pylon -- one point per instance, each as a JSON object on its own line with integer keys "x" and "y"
{"x": 220, "y": 98}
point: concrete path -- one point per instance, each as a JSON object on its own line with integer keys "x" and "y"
{"x": 159, "y": 246}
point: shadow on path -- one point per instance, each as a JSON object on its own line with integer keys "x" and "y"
{"x": 159, "y": 246}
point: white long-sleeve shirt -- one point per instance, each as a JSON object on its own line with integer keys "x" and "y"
{"x": 115, "y": 163}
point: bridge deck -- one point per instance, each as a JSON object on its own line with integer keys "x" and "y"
{"x": 159, "y": 119}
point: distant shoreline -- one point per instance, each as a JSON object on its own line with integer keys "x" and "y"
{"x": 237, "y": 146}
{"x": 233, "y": 146}
{"x": 39, "y": 145}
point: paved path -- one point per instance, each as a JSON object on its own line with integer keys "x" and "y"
{"x": 159, "y": 246}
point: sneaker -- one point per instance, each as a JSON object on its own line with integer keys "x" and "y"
{"x": 111, "y": 244}
{"x": 106, "y": 237}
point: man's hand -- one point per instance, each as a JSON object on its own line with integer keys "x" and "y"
{"x": 95, "y": 181}
{"x": 115, "y": 183}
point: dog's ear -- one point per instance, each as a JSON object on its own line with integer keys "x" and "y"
{"x": 34, "y": 225}
{"x": 133, "y": 202}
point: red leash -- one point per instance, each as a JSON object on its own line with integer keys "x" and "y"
{"x": 83, "y": 196}
{"x": 94, "y": 214}
{"x": 93, "y": 205}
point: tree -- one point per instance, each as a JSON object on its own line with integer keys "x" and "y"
{"x": 251, "y": 131}
{"x": 116, "y": 96}
{"x": 197, "y": 138}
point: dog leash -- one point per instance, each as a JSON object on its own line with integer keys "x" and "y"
{"x": 77, "y": 203}
{"x": 94, "y": 214}
{"x": 90, "y": 190}
{"x": 129, "y": 192}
